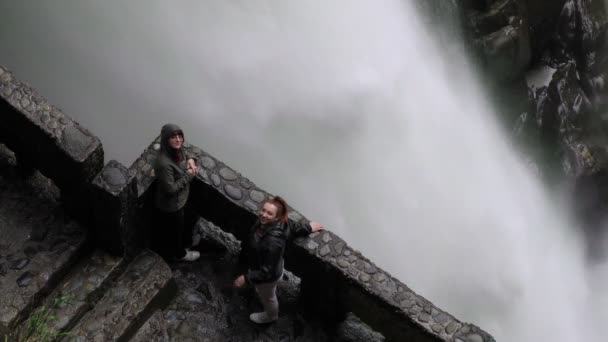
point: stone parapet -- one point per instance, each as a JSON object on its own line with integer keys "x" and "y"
{"x": 335, "y": 278}
{"x": 114, "y": 192}
{"x": 44, "y": 138}
{"x": 219, "y": 193}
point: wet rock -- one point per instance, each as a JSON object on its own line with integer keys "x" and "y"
{"x": 194, "y": 298}
{"x": 257, "y": 195}
{"x": 204, "y": 289}
{"x": 208, "y": 163}
{"x": 171, "y": 316}
{"x": 216, "y": 179}
{"x": 114, "y": 176}
{"x": 154, "y": 330}
{"x": 581, "y": 28}
{"x": 560, "y": 116}
{"x": 233, "y": 191}
{"x": 228, "y": 174}
{"x": 542, "y": 17}
{"x": 31, "y": 250}
{"x": 19, "y": 264}
{"x": 76, "y": 141}
{"x": 474, "y": 338}
{"x": 213, "y": 239}
{"x": 196, "y": 239}
{"x": 25, "y": 279}
{"x": 352, "y": 329}
{"x": 251, "y": 205}
{"x": 503, "y": 39}
{"x": 59, "y": 246}
{"x": 39, "y": 232}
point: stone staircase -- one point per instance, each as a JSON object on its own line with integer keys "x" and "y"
{"x": 78, "y": 291}
{"x": 54, "y": 285}
{"x": 103, "y": 298}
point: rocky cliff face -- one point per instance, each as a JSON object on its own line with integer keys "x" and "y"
{"x": 546, "y": 64}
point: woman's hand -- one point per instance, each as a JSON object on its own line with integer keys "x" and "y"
{"x": 316, "y": 226}
{"x": 239, "y": 281}
{"x": 191, "y": 166}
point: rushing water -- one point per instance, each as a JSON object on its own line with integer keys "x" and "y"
{"x": 349, "y": 110}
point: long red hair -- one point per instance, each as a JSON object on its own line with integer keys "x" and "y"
{"x": 281, "y": 205}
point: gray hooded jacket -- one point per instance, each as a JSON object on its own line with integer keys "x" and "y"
{"x": 173, "y": 181}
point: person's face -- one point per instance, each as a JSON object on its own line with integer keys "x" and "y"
{"x": 176, "y": 140}
{"x": 268, "y": 213}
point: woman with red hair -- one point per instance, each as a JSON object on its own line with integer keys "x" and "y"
{"x": 265, "y": 249}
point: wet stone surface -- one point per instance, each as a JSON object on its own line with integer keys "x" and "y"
{"x": 76, "y": 140}
{"x": 233, "y": 192}
{"x": 73, "y": 139}
{"x": 143, "y": 280}
{"x": 154, "y": 330}
{"x": 114, "y": 175}
{"x": 208, "y": 308}
{"x": 352, "y": 264}
{"x": 38, "y": 241}
{"x": 257, "y": 195}
{"x": 76, "y": 293}
{"x": 228, "y": 174}
{"x": 352, "y": 329}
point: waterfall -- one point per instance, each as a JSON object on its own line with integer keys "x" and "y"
{"x": 351, "y": 111}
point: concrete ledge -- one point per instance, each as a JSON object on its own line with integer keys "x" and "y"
{"x": 145, "y": 286}
{"x": 46, "y": 138}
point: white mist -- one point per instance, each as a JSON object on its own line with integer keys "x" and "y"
{"x": 349, "y": 110}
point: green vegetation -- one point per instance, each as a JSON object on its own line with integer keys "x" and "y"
{"x": 36, "y": 327}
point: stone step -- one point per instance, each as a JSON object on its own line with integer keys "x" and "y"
{"x": 154, "y": 330}
{"x": 76, "y": 294}
{"x": 38, "y": 245}
{"x": 145, "y": 286}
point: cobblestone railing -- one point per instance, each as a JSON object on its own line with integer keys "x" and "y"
{"x": 44, "y": 138}
{"x": 336, "y": 279}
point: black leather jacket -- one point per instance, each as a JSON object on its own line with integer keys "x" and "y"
{"x": 265, "y": 248}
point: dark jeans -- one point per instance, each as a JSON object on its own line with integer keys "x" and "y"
{"x": 173, "y": 232}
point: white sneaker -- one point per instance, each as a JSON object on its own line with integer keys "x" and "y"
{"x": 261, "y": 318}
{"x": 191, "y": 256}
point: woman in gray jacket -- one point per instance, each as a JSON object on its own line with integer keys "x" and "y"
{"x": 174, "y": 171}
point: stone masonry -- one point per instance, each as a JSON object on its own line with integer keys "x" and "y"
{"x": 230, "y": 200}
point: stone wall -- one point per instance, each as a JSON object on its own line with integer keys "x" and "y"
{"x": 336, "y": 279}
{"x": 44, "y": 138}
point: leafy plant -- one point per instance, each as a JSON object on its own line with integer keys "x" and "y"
{"x": 37, "y": 327}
